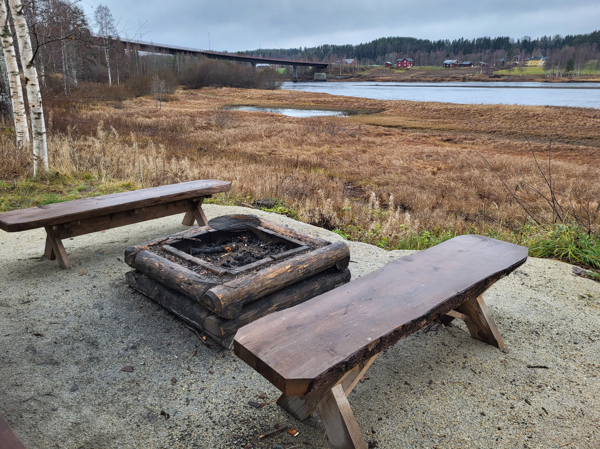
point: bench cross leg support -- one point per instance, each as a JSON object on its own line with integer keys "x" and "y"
{"x": 195, "y": 213}
{"x": 339, "y": 421}
{"x": 301, "y": 407}
{"x": 476, "y": 315}
{"x": 333, "y": 407}
{"x": 55, "y": 248}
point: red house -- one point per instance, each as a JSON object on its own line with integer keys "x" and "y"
{"x": 451, "y": 63}
{"x": 404, "y": 63}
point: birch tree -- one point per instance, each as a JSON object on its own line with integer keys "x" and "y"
{"x": 106, "y": 30}
{"x": 34, "y": 96}
{"x": 14, "y": 80}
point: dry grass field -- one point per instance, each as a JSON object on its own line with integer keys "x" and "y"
{"x": 396, "y": 174}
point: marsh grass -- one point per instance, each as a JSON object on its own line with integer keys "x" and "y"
{"x": 393, "y": 187}
{"x": 569, "y": 243}
{"x": 54, "y": 188}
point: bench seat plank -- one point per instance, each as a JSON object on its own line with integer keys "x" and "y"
{"x": 85, "y": 208}
{"x": 309, "y": 346}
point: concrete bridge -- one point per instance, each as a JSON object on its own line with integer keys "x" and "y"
{"x": 152, "y": 47}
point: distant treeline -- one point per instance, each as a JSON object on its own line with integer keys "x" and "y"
{"x": 427, "y": 52}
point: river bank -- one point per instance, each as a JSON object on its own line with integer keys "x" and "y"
{"x": 444, "y": 75}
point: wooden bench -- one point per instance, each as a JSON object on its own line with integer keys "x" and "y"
{"x": 87, "y": 215}
{"x": 316, "y": 352}
{"x": 8, "y": 439}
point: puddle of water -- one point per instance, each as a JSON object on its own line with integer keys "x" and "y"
{"x": 291, "y": 112}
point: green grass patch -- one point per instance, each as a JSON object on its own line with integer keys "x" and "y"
{"x": 567, "y": 243}
{"x": 516, "y": 71}
{"x": 54, "y": 189}
{"x": 426, "y": 67}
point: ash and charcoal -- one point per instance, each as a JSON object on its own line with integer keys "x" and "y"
{"x": 238, "y": 251}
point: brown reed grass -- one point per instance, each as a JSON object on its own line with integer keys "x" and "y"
{"x": 395, "y": 168}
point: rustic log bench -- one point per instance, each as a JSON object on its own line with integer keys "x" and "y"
{"x": 8, "y": 439}
{"x": 87, "y": 215}
{"x": 316, "y": 352}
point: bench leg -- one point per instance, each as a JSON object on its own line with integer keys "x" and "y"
{"x": 355, "y": 375}
{"x": 478, "y": 319}
{"x": 333, "y": 407}
{"x": 55, "y": 247}
{"x": 301, "y": 407}
{"x": 49, "y": 251}
{"x": 195, "y": 214}
{"x": 339, "y": 421}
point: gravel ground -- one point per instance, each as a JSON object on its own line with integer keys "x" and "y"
{"x": 66, "y": 335}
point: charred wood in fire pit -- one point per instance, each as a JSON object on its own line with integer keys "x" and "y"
{"x": 289, "y": 232}
{"x": 201, "y": 263}
{"x": 270, "y": 257}
{"x": 214, "y": 249}
{"x": 223, "y": 330}
{"x": 170, "y": 273}
{"x": 234, "y": 222}
{"x": 288, "y": 297}
{"x": 246, "y": 222}
{"x": 228, "y": 298}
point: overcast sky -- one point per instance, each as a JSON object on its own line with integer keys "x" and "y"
{"x": 251, "y": 24}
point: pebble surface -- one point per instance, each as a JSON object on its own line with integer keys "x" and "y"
{"x": 87, "y": 363}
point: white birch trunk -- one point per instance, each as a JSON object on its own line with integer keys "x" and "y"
{"x": 43, "y": 73}
{"x": 64, "y": 65}
{"x": 74, "y": 71}
{"x": 106, "y": 54}
{"x": 14, "y": 80}
{"x": 34, "y": 96}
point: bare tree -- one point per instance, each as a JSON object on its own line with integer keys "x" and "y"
{"x": 159, "y": 87}
{"x": 14, "y": 81}
{"x": 106, "y": 30}
{"x": 34, "y": 96}
{"x": 60, "y": 33}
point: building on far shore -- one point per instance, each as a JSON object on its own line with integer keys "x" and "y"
{"x": 404, "y": 63}
{"x": 537, "y": 61}
{"x": 466, "y": 64}
{"x": 498, "y": 62}
{"x": 451, "y": 63}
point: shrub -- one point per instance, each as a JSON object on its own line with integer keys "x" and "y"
{"x": 219, "y": 74}
{"x": 139, "y": 85}
{"x": 268, "y": 79}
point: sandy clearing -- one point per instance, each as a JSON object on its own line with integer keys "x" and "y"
{"x": 65, "y": 335}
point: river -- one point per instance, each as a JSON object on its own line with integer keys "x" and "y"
{"x": 585, "y": 95}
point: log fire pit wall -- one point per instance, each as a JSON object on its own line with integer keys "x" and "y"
{"x": 237, "y": 269}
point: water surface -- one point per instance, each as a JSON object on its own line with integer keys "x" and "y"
{"x": 586, "y": 95}
{"x": 290, "y": 112}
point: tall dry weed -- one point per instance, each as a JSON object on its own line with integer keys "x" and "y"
{"x": 376, "y": 183}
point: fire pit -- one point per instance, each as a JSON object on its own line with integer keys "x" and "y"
{"x": 237, "y": 269}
